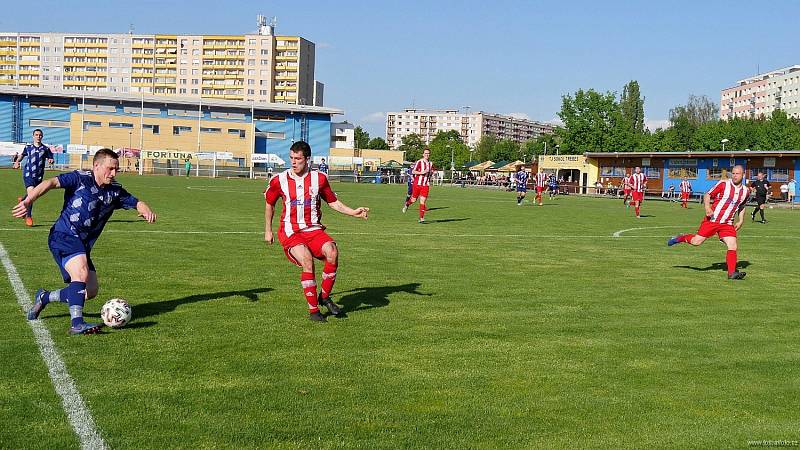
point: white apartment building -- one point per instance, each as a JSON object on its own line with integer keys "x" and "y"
{"x": 251, "y": 67}
{"x": 343, "y": 135}
{"x": 470, "y": 126}
{"x": 762, "y": 94}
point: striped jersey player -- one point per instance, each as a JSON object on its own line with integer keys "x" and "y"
{"x": 638, "y": 186}
{"x": 421, "y": 172}
{"x": 686, "y": 191}
{"x": 627, "y": 187}
{"x": 541, "y": 184}
{"x": 301, "y": 232}
{"x": 722, "y": 204}
{"x": 35, "y": 156}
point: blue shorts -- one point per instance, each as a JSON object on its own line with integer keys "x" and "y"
{"x": 64, "y": 247}
{"x": 522, "y": 189}
{"x": 31, "y": 182}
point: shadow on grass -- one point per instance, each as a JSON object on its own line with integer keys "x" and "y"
{"x": 373, "y": 297}
{"x": 716, "y": 266}
{"x": 156, "y": 308}
{"x": 437, "y": 208}
{"x": 447, "y": 220}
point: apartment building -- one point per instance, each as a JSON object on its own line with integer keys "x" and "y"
{"x": 470, "y": 126}
{"x": 261, "y": 67}
{"x": 762, "y": 94}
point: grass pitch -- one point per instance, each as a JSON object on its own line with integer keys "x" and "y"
{"x": 490, "y": 326}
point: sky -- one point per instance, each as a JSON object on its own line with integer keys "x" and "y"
{"x": 508, "y": 57}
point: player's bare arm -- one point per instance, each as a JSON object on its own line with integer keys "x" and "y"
{"x": 361, "y": 212}
{"x": 21, "y": 209}
{"x": 145, "y": 212}
{"x": 269, "y": 213}
{"x": 707, "y": 204}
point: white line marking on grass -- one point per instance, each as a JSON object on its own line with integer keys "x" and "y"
{"x": 79, "y": 416}
{"x": 617, "y": 234}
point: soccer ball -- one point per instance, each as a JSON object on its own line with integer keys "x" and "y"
{"x": 116, "y": 313}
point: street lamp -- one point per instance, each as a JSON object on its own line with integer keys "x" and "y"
{"x": 452, "y": 159}
{"x": 723, "y": 143}
{"x": 557, "y": 147}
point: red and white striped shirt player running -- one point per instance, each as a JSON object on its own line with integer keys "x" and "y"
{"x": 638, "y": 185}
{"x": 722, "y": 204}
{"x": 421, "y": 172}
{"x": 301, "y": 232}
{"x": 686, "y": 191}
{"x": 541, "y": 184}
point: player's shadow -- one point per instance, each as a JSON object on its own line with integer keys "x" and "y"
{"x": 447, "y": 220}
{"x": 437, "y": 208}
{"x": 646, "y": 215}
{"x": 716, "y": 266}
{"x": 156, "y": 308}
{"x": 360, "y": 299}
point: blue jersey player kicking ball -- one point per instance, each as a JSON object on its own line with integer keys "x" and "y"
{"x": 90, "y": 197}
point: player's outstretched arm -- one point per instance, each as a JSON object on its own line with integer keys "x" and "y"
{"x": 361, "y": 212}
{"x": 707, "y": 204}
{"x": 145, "y": 212}
{"x": 269, "y": 213}
{"x": 21, "y": 209}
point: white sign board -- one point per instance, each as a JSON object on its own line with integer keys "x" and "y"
{"x": 10, "y": 148}
{"x": 77, "y": 149}
{"x": 769, "y": 162}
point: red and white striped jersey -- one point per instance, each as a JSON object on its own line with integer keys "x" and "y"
{"x": 726, "y": 200}
{"x": 301, "y": 200}
{"x": 686, "y": 186}
{"x": 627, "y": 182}
{"x": 639, "y": 182}
{"x": 541, "y": 179}
{"x": 425, "y": 167}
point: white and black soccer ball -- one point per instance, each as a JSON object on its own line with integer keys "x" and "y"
{"x": 116, "y": 313}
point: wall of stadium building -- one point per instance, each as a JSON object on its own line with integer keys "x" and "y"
{"x": 702, "y": 170}
{"x": 568, "y": 166}
{"x": 117, "y": 123}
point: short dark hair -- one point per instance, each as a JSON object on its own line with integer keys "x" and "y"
{"x": 104, "y": 153}
{"x": 301, "y": 146}
{"x": 39, "y": 130}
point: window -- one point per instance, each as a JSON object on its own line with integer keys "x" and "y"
{"x": 210, "y": 130}
{"x": 612, "y": 171}
{"x": 718, "y": 173}
{"x": 182, "y": 90}
{"x": 652, "y": 173}
{"x": 177, "y": 130}
{"x": 88, "y": 124}
{"x": 269, "y": 118}
{"x": 50, "y": 105}
{"x": 275, "y": 135}
{"x": 679, "y": 168}
{"x": 227, "y": 115}
{"x": 49, "y": 123}
{"x": 754, "y": 172}
{"x": 120, "y": 125}
{"x": 781, "y": 175}
{"x": 241, "y": 133}
{"x": 154, "y": 128}
{"x": 251, "y": 92}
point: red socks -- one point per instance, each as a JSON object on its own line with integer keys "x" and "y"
{"x": 422, "y": 209}
{"x": 685, "y": 238}
{"x": 309, "y": 290}
{"x": 328, "y": 278}
{"x": 637, "y": 210}
{"x": 730, "y": 259}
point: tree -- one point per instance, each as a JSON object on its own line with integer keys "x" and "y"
{"x": 378, "y": 144}
{"x": 698, "y": 111}
{"x": 361, "y": 138}
{"x": 484, "y": 148}
{"x": 505, "y": 150}
{"x": 447, "y": 145}
{"x": 588, "y": 120}
{"x": 413, "y": 145}
{"x": 631, "y": 107}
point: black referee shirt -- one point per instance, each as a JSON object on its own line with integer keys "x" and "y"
{"x": 761, "y": 187}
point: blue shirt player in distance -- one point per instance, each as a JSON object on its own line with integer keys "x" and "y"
{"x": 90, "y": 198}
{"x": 33, "y": 170}
{"x": 522, "y": 184}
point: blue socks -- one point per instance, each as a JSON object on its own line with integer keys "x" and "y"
{"x": 75, "y": 294}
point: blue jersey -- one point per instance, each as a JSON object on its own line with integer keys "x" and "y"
{"x": 323, "y": 168}
{"x": 87, "y": 206}
{"x": 33, "y": 169}
{"x": 522, "y": 178}
{"x": 553, "y": 182}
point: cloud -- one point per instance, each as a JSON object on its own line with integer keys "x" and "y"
{"x": 519, "y": 115}
{"x": 324, "y": 45}
{"x": 555, "y": 121}
{"x": 376, "y": 117}
{"x": 653, "y": 124}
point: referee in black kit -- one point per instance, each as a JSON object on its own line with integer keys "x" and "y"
{"x": 760, "y": 188}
